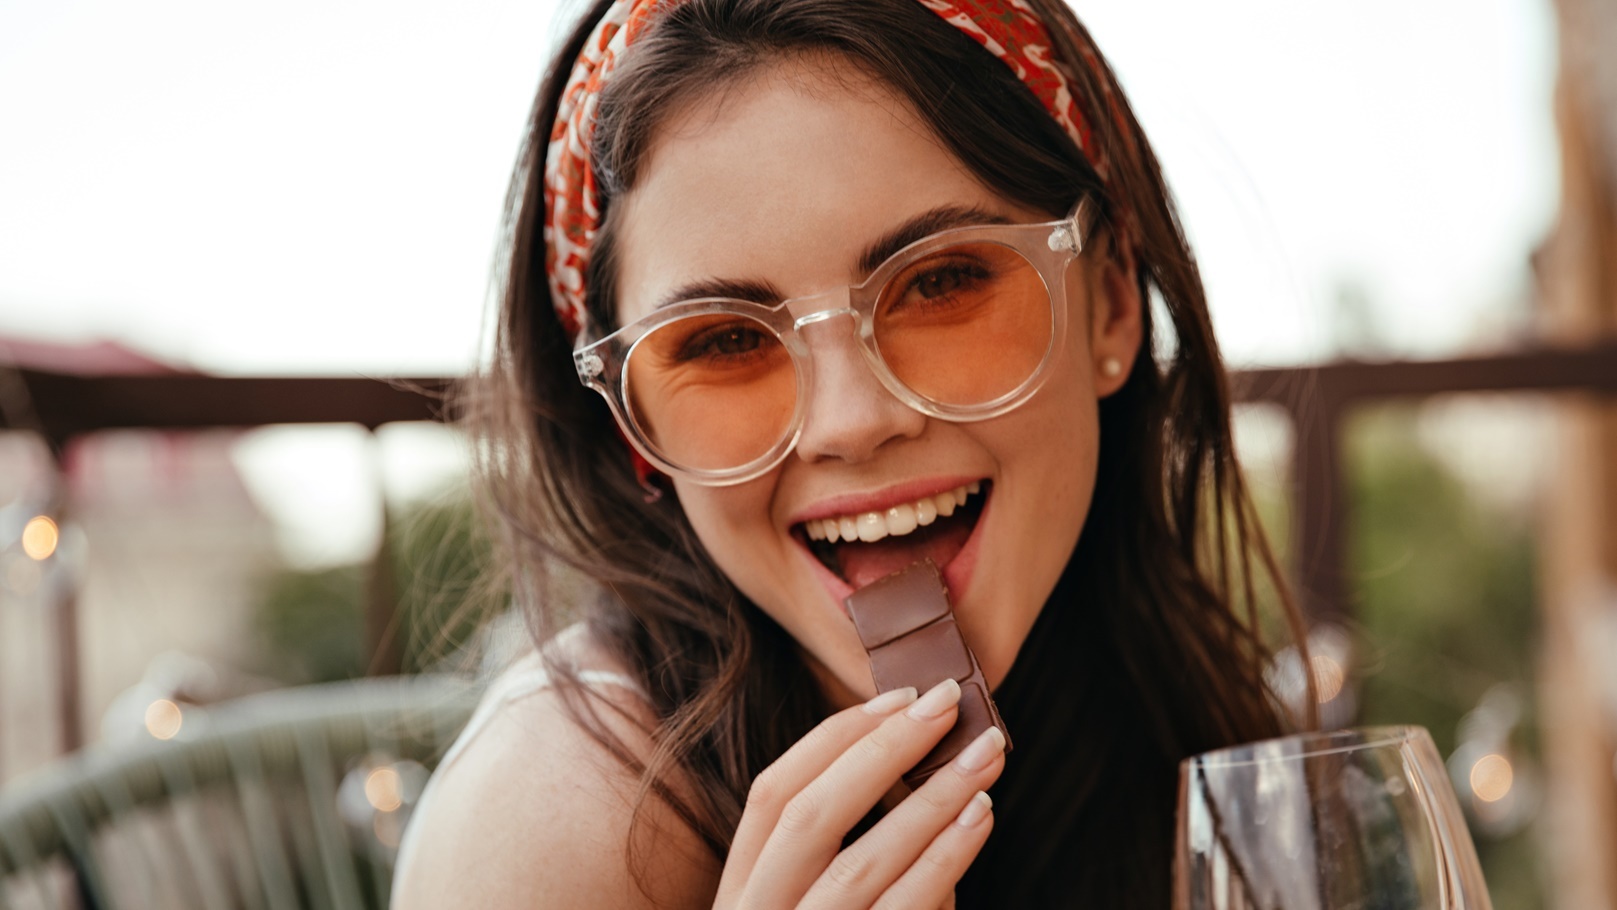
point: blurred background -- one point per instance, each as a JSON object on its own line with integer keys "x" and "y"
{"x": 242, "y": 247}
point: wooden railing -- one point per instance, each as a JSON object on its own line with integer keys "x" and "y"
{"x": 1316, "y": 400}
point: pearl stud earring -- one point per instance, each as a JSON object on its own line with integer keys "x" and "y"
{"x": 1111, "y": 367}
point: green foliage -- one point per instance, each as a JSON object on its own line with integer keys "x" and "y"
{"x": 1443, "y": 593}
{"x": 313, "y": 622}
{"x": 312, "y": 625}
{"x": 1443, "y": 586}
{"x": 446, "y": 588}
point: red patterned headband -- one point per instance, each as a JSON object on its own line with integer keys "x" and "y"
{"x": 1009, "y": 29}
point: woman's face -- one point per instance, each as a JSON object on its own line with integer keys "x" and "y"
{"x": 784, "y": 180}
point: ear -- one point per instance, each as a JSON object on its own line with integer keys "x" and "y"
{"x": 1115, "y": 318}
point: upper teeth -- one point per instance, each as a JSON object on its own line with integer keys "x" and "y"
{"x": 894, "y": 522}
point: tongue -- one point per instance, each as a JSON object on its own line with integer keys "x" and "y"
{"x": 863, "y": 563}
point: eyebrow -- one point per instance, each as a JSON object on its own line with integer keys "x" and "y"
{"x": 729, "y": 288}
{"x": 919, "y": 227}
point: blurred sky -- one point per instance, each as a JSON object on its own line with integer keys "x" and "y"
{"x": 315, "y": 187}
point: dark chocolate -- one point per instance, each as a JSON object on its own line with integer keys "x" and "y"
{"x": 905, "y": 623}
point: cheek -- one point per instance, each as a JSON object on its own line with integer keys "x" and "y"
{"x": 725, "y": 521}
{"x": 1074, "y": 406}
{"x": 1063, "y": 454}
{"x": 1071, "y": 445}
{"x": 734, "y": 526}
{"x": 1058, "y": 432}
{"x": 1048, "y": 452}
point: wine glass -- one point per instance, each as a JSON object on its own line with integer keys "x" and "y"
{"x": 1349, "y": 820}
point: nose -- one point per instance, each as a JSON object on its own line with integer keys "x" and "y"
{"x": 850, "y": 413}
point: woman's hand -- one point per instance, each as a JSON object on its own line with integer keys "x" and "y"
{"x": 788, "y": 849}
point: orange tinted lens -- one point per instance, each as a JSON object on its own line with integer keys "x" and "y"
{"x": 711, "y": 392}
{"x": 965, "y": 325}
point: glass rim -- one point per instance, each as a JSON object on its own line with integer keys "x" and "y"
{"x": 1361, "y": 738}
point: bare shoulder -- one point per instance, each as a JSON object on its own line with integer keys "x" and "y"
{"x": 536, "y": 812}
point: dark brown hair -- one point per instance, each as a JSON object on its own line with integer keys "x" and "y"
{"x": 1146, "y": 652}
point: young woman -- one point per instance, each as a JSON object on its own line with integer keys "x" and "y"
{"x": 800, "y": 292}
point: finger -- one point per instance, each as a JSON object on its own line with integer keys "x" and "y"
{"x": 788, "y": 775}
{"x": 931, "y": 879}
{"x": 866, "y": 868}
{"x": 814, "y": 822}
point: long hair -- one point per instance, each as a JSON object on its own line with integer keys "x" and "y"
{"x": 1146, "y": 652}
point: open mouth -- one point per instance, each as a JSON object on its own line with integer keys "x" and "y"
{"x": 861, "y": 547}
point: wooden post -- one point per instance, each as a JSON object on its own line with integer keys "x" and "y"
{"x": 1578, "y": 581}
{"x": 383, "y": 624}
{"x": 69, "y": 675}
{"x": 62, "y": 612}
{"x": 1320, "y": 510}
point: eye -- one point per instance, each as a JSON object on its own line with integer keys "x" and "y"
{"x": 946, "y": 281}
{"x": 948, "y": 278}
{"x": 731, "y": 340}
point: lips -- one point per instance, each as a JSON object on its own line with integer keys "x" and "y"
{"x": 859, "y": 547}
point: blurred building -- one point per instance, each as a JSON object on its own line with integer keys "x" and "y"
{"x": 161, "y": 543}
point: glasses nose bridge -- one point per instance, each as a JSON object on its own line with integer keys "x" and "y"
{"x": 818, "y": 308}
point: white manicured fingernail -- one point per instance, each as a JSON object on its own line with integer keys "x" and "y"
{"x": 890, "y": 701}
{"x": 937, "y": 701}
{"x": 982, "y": 750}
{"x": 975, "y": 811}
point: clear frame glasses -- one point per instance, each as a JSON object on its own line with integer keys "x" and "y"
{"x": 962, "y": 325}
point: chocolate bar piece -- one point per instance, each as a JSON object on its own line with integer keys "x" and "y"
{"x": 906, "y": 626}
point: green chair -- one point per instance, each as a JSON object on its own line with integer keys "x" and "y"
{"x": 288, "y": 799}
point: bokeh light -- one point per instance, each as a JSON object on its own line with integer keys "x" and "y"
{"x": 163, "y": 719}
{"x": 384, "y": 790}
{"x": 39, "y": 537}
{"x": 1492, "y": 777}
{"x": 1329, "y": 677}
